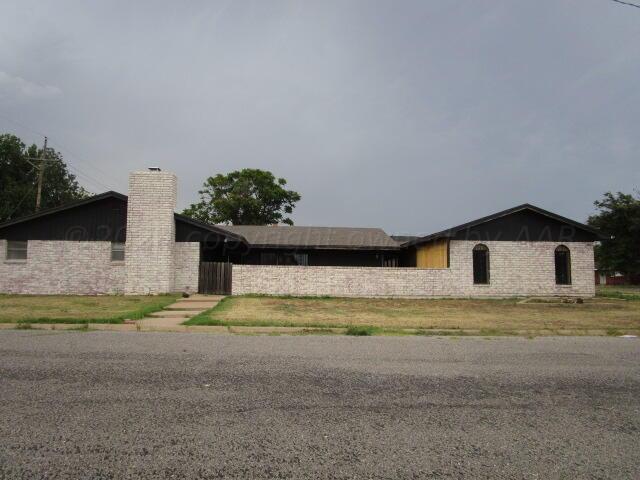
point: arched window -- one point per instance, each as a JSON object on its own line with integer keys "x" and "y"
{"x": 480, "y": 264}
{"x": 563, "y": 265}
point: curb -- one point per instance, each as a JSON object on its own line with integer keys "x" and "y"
{"x": 260, "y": 330}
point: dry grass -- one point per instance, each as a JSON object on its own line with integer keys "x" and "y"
{"x": 493, "y": 315}
{"x": 78, "y": 309}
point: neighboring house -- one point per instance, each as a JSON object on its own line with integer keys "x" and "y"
{"x": 112, "y": 243}
{"x": 604, "y": 277}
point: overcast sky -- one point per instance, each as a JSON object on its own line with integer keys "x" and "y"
{"x": 408, "y": 115}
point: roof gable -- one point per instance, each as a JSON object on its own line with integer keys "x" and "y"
{"x": 66, "y": 206}
{"x": 101, "y": 217}
{"x": 522, "y": 223}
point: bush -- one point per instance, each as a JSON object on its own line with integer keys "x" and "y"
{"x": 360, "y": 331}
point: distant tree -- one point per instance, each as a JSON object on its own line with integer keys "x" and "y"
{"x": 245, "y": 197}
{"x": 18, "y": 179}
{"x": 618, "y": 217}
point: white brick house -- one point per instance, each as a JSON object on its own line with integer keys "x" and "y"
{"x": 114, "y": 244}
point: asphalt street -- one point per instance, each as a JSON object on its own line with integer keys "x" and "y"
{"x": 102, "y": 405}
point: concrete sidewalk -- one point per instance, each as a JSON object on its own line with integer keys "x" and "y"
{"x": 172, "y": 317}
{"x": 140, "y": 327}
{"x": 172, "y": 324}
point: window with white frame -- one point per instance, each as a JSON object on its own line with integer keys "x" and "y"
{"x": 17, "y": 250}
{"x": 117, "y": 252}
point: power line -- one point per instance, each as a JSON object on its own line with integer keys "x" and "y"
{"x": 40, "y": 134}
{"x": 81, "y": 160}
{"x": 79, "y": 172}
{"x": 25, "y": 196}
{"x": 35, "y": 162}
{"x": 87, "y": 177}
{"x": 626, "y": 3}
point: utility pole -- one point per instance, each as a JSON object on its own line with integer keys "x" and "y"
{"x": 43, "y": 160}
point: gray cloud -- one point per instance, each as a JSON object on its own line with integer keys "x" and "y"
{"x": 11, "y": 86}
{"x": 412, "y": 116}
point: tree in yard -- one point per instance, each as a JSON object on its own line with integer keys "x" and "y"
{"x": 19, "y": 177}
{"x": 618, "y": 218}
{"x": 246, "y": 197}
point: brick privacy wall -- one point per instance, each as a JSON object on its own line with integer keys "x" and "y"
{"x": 516, "y": 269}
{"x": 187, "y": 264}
{"x": 64, "y": 268}
{"x": 149, "y": 251}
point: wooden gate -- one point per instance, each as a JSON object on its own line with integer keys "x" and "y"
{"x": 215, "y": 278}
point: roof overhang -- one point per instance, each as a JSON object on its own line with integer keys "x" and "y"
{"x": 197, "y": 223}
{"x": 324, "y": 247}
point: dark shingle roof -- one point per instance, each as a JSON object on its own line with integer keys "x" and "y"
{"x": 404, "y": 238}
{"x": 314, "y": 237}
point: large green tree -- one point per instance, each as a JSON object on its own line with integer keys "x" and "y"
{"x": 19, "y": 177}
{"x": 245, "y": 197}
{"x": 618, "y": 218}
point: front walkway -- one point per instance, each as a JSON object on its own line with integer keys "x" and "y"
{"x": 171, "y": 318}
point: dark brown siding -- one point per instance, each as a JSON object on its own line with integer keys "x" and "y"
{"x": 102, "y": 220}
{"x": 342, "y": 258}
{"x": 328, "y": 258}
{"x": 525, "y": 226}
{"x": 408, "y": 257}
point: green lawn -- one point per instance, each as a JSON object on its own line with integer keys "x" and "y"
{"x": 497, "y": 316}
{"x": 79, "y": 309}
{"x": 628, "y": 292}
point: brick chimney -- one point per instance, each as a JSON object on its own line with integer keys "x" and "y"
{"x": 149, "y": 250}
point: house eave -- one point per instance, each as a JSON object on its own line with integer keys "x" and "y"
{"x": 197, "y": 223}
{"x": 323, "y": 247}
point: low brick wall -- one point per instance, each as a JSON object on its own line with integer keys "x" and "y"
{"x": 62, "y": 267}
{"x": 339, "y": 281}
{"x": 187, "y": 264}
{"x": 516, "y": 269}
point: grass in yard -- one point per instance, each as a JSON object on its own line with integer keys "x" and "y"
{"x": 489, "y": 317}
{"x": 79, "y": 309}
{"x": 361, "y": 331}
{"x": 625, "y": 292}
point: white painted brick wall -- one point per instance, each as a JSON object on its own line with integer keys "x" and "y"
{"x": 187, "y": 264}
{"x": 524, "y": 268}
{"x": 516, "y": 269}
{"x": 64, "y": 268}
{"x": 150, "y": 242}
